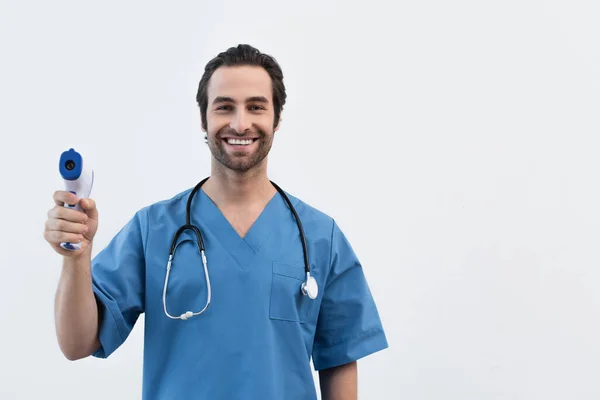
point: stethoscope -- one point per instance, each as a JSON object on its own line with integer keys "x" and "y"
{"x": 309, "y": 287}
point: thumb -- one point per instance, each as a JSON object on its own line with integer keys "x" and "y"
{"x": 89, "y": 207}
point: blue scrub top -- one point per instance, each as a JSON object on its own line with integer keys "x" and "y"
{"x": 257, "y": 338}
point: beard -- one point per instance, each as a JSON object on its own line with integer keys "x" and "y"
{"x": 240, "y": 161}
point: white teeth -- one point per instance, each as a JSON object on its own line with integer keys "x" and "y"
{"x": 239, "y": 141}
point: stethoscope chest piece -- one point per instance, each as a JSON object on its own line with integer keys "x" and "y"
{"x": 310, "y": 287}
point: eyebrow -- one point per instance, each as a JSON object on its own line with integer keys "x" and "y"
{"x": 257, "y": 99}
{"x": 253, "y": 99}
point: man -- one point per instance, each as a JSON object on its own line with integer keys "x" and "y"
{"x": 244, "y": 326}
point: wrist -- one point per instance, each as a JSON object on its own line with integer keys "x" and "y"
{"x": 83, "y": 258}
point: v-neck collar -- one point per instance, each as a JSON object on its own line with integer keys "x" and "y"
{"x": 241, "y": 249}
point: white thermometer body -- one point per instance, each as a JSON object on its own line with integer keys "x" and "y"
{"x": 78, "y": 179}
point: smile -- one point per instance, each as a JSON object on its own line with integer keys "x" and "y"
{"x": 239, "y": 142}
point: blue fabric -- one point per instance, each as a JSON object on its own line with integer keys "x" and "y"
{"x": 257, "y": 338}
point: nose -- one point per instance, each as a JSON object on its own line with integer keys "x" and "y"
{"x": 241, "y": 122}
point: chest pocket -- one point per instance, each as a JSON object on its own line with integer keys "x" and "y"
{"x": 287, "y": 301}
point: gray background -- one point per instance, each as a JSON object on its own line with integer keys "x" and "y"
{"x": 454, "y": 142}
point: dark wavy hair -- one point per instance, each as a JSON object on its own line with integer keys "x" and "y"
{"x": 243, "y": 54}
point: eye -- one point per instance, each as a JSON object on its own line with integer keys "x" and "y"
{"x": 224, "y": 108}
{"x": 256, "y": 108}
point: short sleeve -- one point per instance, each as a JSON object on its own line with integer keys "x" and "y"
{"x": 348, "y": 326}
{"x": 118, "y": 280}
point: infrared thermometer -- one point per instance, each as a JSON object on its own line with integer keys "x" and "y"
{"x": 78, "y": 178}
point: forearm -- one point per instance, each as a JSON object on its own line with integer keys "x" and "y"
{"x": 339, "y": 383}
{"x": 76, "y": 310}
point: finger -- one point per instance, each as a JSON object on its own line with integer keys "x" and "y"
{"x": 62, "y": 197}
{"x": 66, "y": 226}
{"x": 60, "y": 212}
{"x": 89, "y": 207}
{"x": 57, "y": 237}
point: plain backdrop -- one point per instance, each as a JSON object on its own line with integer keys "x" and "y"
{"x": 456, "y": 144}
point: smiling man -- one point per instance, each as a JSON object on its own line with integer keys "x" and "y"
{"x": 282, "y": 285}
{"x": 240, "y": 141}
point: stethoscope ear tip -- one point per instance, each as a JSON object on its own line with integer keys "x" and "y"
{"x": 187, "y": 315}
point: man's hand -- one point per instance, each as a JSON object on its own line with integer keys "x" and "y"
{"x": 339, "y": 383}
{"x": 66, "y": 225}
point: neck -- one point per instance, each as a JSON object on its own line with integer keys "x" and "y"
{"x": 233, "y": 188}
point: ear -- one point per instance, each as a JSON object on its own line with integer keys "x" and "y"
{"x": 278, "y": 124}
{"x": 203, "y": 127}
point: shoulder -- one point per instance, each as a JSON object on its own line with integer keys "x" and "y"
{"x": 175, "y": 204}
{"x": 313, "y": 219}
{"x": 321, "y": 226}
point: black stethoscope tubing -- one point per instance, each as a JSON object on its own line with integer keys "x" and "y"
{"x": 309, "y": 287}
